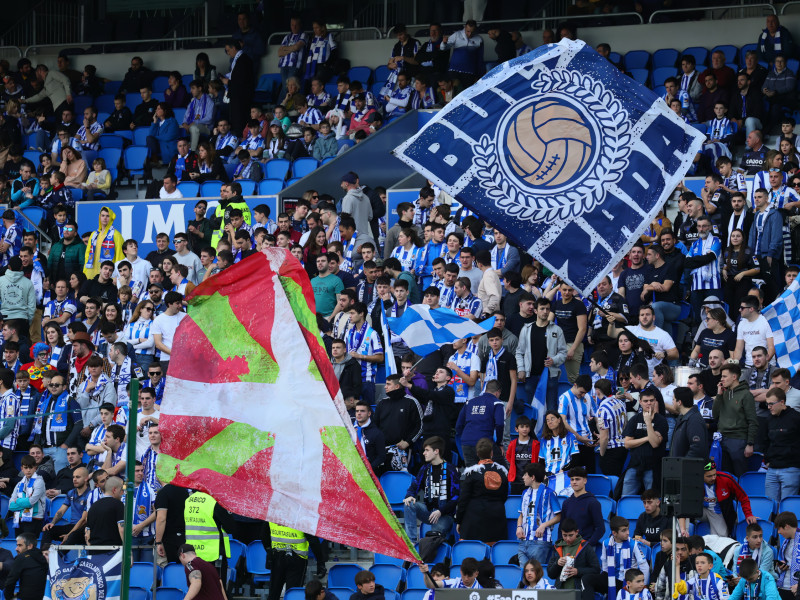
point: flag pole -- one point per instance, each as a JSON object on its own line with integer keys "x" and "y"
{"x": 130, "y": 471}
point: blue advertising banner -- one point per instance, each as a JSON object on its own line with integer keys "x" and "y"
{"x": 142, "y": 220}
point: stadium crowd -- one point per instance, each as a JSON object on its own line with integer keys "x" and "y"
{"x": 563, "y": 395}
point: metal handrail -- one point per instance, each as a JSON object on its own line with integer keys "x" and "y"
{"x": 375, "y": 29}
{"x": 34, "y": 225}
{"x": 17, "y": 48}
{"x": 790, "y": 3}
{"x": 173, "y": 40}
{"x": 532, "y": 20}
{"x": 725, "y": 6}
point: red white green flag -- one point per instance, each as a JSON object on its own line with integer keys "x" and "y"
{"x": 253, "y": 415}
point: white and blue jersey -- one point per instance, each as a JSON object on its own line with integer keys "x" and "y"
{"x": 611, "y": 416}
{"x": 576, "y": 412}
{"x": 365, "y": 341}
{"x": 200, "y": 110}
{"x": 706, "y": 277}
{"x": 398, "y": 101}
{"x": 293, "y": 59}
{"x": 95, "y": 129}
{"x": 55, "y": 148}
{"x": 226, "y": 141}
{"x": 139, "y": 330}
{"x": 457, "y": 583}
{"x": 557, "y": 452}
{"x": 54, "y": 308}
{"x": 252, "y": 142}
{"x": 319, "y": 51}
{"x": 446, "y": 294}
{"x": 538, "y": 506}
{"x": 9, "y": 409}
{"x": 468, "y": 306}
{"x": 13, "y": 237}
{"x": 317, "y": 100}
{"x": 780, "y": 197}
{"x": 408, "y": 258}
{"x": 719, "y": 129}
{"x": 312, "y": 116}
{"x": 713, "y": 587}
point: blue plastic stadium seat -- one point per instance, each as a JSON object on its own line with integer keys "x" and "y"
{"x": 752, "y": 483}
{"x": 389, "y": 576}
{"x": 248, "y": 186}
{"x": 343, "y": 575}
{"x": 512, "y": 506}
{"x": 362, "y": 74}
{"x": 503, "y": 551}
{"x": 469, "y": 548}
{"x": 160, "y": 83}
{"x": 110, "y": 140}
{"x": 277, "y": 168}
{"x": 270, "y": 187}
{"x": 630, "y": 507}
{"x": 256, "y": 558}
{"x": 174, "y": 577}
{"x": 304, "y": 166}
{"x": 509, "y": 576}
{"x": 104, "y": 103}
{"x": 170, "y": 593}
{"x": 413, "y": 594}
{"x": 395, "y": 484}
{"x": 381, "y": 75}
{"x": 700, "y": 55}
{"x": 189, "y": 189}
{"x": 640, "y": 75}
{"x": 140, "y": 136}
{"x": 767, "y": 526}
{"x": 142, "y": 575}
{"x": 666, "y": 57}
{"x": 791, "y": 503}
{"x": 637, "y": 59}
{"x": 660, "y": 75}
{"x": 599, "y": 485}
{"x": 762, "y": 508}
{"x": 133, "y": 100}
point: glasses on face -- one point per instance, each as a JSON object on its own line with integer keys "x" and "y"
{"x": 771, "y": 404}
{"x": 315, "y": 197}
{"x": 154, "y": 373}
{"x": 179, "y": 241}
{"x": 55, "y": 385}
{"x": 743, "y": 307}
{"x": 148, "y": 308}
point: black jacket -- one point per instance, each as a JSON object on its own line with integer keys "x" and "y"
{"x": 690, "y": 437}
{"x": 374, "y": 445}
{"x": 63, "y": 479}
{"x": 504, "y": 47}
{"x": 107, "y": 292}
{"x": 783, "y": 440}
{"x": 30, "y": 569}
{"x": 753, "y": 103}
{"x": 400, "y": 419}
{"x": 135, "y": 80}
{"x": 350, "y": 378}
{"x": 441, "y": 417}
{"x": 585, "y": 562}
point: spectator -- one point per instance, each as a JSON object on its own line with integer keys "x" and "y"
{"x": 163, "y": 134}
{"x": 619, "y": 556}
{"x": 782, "y": 448}
{"x": 482, "y": 417}
{"x": 747, "y": 104}
{"x": 756, "y": 548}
{"x": 538, "y": 514}
{"x": 734, "y": 410}
{"x": 466, "y": 62}
{"x": 74, "y": 167}
{"x": 325, "y": 145}
{"x": 56, "y": 89}
{"x": 756, "y": 583}
{"x": 399, "y": 416}
{"x": 29, "y": 570}
{"x": 439, "y": 483}
{"x": 241, "y": 84}
{"x": 583, "y": 508}
{"x": 480, "y": 514}
{"x": 468, "y": 579}
{"x": 775, "y": 39}
{"x": 199, "y": 117}
{"x": 27, "y": 501}
{"x": 165, "y": 325}
{"x": 144, "y": 113}
{"x": 645, "y": 438}
{"x": 369, "y": 436}
{"x": 752, "y": 331}
{"x": 726, "y": 77}
{"x": 290, "y": 52}
{"x": 669, "y": 574}
{"x": 136, "y": 78}
{"x": 573, "y": 558}
{"x": 651, "y": 523}
{"x": 431, "y": 57}
{"x": 779, "y": 89}
{"x": 323, "y": 54}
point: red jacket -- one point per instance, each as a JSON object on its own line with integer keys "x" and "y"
{"x": 728, "y": 489}
{"x": 511, "y": 452}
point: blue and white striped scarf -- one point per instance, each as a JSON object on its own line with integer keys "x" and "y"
{"x": 612, "y": 568}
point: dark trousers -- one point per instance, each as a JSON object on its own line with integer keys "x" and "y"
{"x": 613, "y": 461}
{"x": 587, "y": 457}
{"x": 54, "y": 534}
{"x": 34, "y": 527}
{"x": 596, "y": 582}
{"x": 287, "y": 569}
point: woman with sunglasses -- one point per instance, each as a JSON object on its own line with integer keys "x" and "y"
{"x": 137, "y": 333}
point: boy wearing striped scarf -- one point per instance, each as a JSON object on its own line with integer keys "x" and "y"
{"x": 620, "y": 554}
{"x": 635, "y": 587}
{"x": 704, "y": 584}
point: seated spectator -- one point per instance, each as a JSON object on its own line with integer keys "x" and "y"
{"x": 169, "y": 189}
{"x": 319, "y": 98}
{"x": 176, "y": 96}
{"x": 276, "y": 143}
{"x": 754, "y": 547}
{"x": 248, "y": 167}
{"x": 651, "y": 523}
{"x": 121, "y": 119}
{"x": 397, "y": 101}
{"x": 304, "y": 146}
{"x": 726, "y": 77}
{"x": 619, "y": 555}
{"x": 204, "y": 71}
{"x": 362, "y": 118}
{"x": 747, "y": 103}
{"x": 98, "y": 183}
{"x": 209, "y": 164}
{"x": 89, "y": 133}
{"x": 162, "y": 135}
{"x": 143, "y": 114}
{"x": 697, "y": 546}
{"x": 573, "y": 559}
{"x": 583, "y": 508}
{"x": 136, "y": 78}
{"x": 62, "y": 140}
{"x": 533, "y": 577}
{"x": 756, "y": 583}
{"x": 223, "y": 141}
{"x": 199, "y": 116}
{"x": 74, "y": 167}
{"x": 775, "y": 39}
{"x": 307, "y": 116}
{"x": 423, "y": 95}
{"x": 325, "y": 145}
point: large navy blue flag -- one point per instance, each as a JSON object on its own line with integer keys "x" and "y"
{"x": 562, "y": 152}
{"x": 95, "y": 577}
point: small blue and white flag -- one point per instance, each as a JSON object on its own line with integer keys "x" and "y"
{"x": 425, "y": 330}
{"x": 783, "y": 316}
{"x": 96, "y": 577}
{"x": 390, "y": 365}
{"x": 539, "y": 402}
{"x": 558, "y": 149}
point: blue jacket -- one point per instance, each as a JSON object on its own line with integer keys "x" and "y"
{"x": 166, "y": 133}
{"x": 771, "y": 242}
{"x": 769, "y": 589}
{"x": 482, "y": 417}
{"x": 445, "y": 502}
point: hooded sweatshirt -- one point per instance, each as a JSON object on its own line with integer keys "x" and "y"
{"x": 326, "y": 146}
{"x": 17, "y": 296}
{"x": 357, "y": 204}
{"x": 105, "y": 244}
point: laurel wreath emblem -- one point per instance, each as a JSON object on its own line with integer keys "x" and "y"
{"x": 609, "y": 166}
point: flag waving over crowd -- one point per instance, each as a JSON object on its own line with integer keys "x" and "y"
{"x": 562, "y": 152}
{"x": 252, "y": 412}
{"x": 783, "y": 317}
{"x": 425, "y": 330}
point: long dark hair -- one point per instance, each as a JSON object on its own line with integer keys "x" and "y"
{"x": 547, "y": 433}
{"x": 740, "y": 254}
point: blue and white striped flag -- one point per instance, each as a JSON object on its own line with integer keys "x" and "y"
{"x": 425, "y": 330}
{"x": 539, "y": 402}
{"x": 98, "y": 576}
{"x": 388, "y": 352}
{"x": 562, "y": 152}
{"x": 783, "y": 317}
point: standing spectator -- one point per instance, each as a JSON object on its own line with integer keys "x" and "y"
{"x": 290, "y": 53}
{"x": 199, "y": 116}
{"x": 610, "y": 420}
{"x": 29, "y": 570}
{"x": 575, "y": 408}
{"x": 369, "y": 436}
{"x": 490, "y": 290}
{"x": 690, "y": 437}
{"x": 481, "y": 418}
{"x": 582, "y": 508}
{"x": 326, "y": 286}
{"x": 27, "y": 501}
{"x": 782, "y": 450}
{"x": 645, "y": 438}
{"x": 439, "y": 403}
{"x": 775, "y": 39}
{"x": 403, "y": 59}
{"x": 241, "y": 85}
{"x": 104, "y": 245}
{"x": 630, "y": 284}
{"x": 56, "y": 89}
{"x": 466, "y": 62}
{"x": 439, "y": 483}
{"x": 766, "y": 241}
{"x": 323, "y": 54}
{"x": 538, "y": 514}
{"x": 17, "y": 295}
{"x": 165, "y": 325}
{"x": 703, "y": 262}
{"x": 735, "y": 412}
{"x": 356, "y": 203}
{"x": 250, "y": 39}
{"x": 399, "y": 417}
{"x": 480, "y": 514}
{"x": 747, "y": 103}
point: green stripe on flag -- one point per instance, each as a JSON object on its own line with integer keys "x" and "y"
{"x": 294, "y": 293}
{"x": 225, "y": 453}
{"x": 338, "y": 440}
{"x": 314, "y": 370}
{"x": 214, "y": 315}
